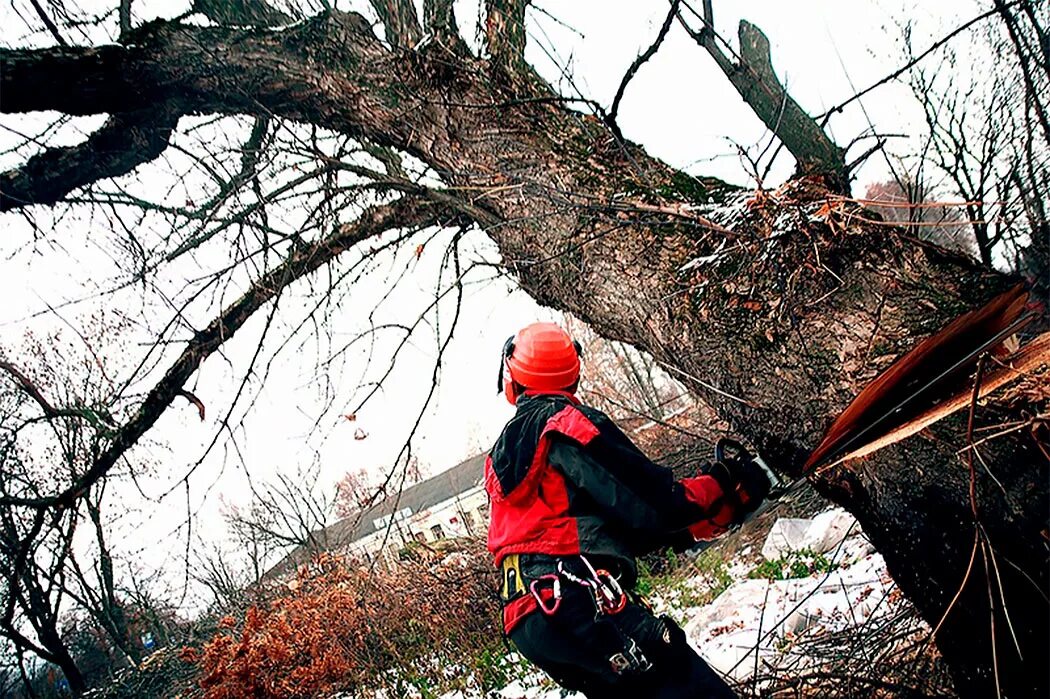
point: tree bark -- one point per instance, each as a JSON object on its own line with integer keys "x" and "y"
{"x": 788, "y": 302}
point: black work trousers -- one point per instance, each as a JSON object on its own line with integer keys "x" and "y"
{"x": 575, "y": 646}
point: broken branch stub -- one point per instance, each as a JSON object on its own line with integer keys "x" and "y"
{"x": 756, "y": 81}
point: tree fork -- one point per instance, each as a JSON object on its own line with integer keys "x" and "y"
{"x": 756, "y": 81}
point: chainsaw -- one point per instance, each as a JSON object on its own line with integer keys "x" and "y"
{"x": 733, "y": 455}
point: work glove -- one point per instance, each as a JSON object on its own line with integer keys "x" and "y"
{"x": 742, "y": 480}
{"x": 743, "y": 484}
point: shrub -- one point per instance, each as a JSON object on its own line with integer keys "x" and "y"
{"x": 795, "y": 564}
{"x": 430, "y": 625}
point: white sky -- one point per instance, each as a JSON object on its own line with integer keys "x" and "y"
{"x": 679, "y": 107}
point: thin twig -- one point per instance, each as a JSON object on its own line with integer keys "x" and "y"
{"x": 991, "y": 618}
{"x": 610, "y": 118}
{"x": 912, "y": 63}
{"x": 958, "y": 592}
{"x": 29, "y": 387}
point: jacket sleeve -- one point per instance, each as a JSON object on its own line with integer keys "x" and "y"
{"x": 632, "y": 491}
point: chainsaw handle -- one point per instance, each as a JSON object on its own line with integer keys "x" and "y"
{"x": 728, "y": 448}
{"x": 735, "y": 449}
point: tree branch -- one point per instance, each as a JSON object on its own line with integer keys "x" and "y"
{"x": 29, "y": 388}
{"x": 250, "y": 153}
{"x": 404, "y": 213}
{"x": 331, "y": 71}
{"x": 912, "y": 63}
{"x": 124, "y": 16}
{"x": 1026, "y": 70}
{"x": 124, "y": 142}
{"x": 638, "y": 63}
{"x": 17, "y": 552}
{"x": 49, "y": 23}
{"x": 756, "y": 81}
{"x": 400, "y": 21}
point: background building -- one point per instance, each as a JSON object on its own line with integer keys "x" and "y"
{"x": 448, "y": 505}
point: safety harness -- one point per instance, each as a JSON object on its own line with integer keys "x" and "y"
{"x": 544, "y": 594}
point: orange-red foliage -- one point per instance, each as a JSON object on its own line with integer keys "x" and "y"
{"x": 337, "y": 627}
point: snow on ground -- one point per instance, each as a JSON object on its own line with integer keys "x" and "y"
{"x": 530, "y": 688}
{"x": 756, "y": 622}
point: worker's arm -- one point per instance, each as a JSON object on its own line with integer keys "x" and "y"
{"x": 631, "y": 490}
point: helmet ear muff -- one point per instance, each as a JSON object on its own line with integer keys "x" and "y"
{"x": 504, "y": 384}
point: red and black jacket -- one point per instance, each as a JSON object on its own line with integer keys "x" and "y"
{"x": 562, "y": 479}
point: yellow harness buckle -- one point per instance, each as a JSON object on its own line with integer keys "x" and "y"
{"x": 513, "y": 584}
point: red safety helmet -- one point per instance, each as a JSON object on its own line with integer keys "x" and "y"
{"x": 540, "y": 357}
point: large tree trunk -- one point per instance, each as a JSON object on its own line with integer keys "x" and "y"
{"x": 787, "y": 302}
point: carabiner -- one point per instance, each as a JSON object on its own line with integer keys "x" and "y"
{"x": 573, "y": 578}
{"x": 555, "y": 596}
{"x": 608, "y": 595}
{"x": 614, "y": 599}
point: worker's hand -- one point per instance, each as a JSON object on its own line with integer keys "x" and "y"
{"x": 744, "y": 486}
{"x": 752, "y": 487}
{"x": 742, "y": 480}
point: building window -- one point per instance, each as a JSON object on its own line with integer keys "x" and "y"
{"x": 437, "y": 531}
{"x": 420, "y": 537}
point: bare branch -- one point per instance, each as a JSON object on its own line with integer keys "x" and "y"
{"x": 912, "y": 63}
{"x": 405, "y": 212}
{"x": 1026, "y": 71}
{"x": 29, "y": 388}
{"x": 400, "y": 20}
{"x": 197, "y": 402}
{"x": 124, "y": 13}
{"x": 123, "y": 143}
{"x": 250, "y": 152}
{"x": 232, "y": 71}
{"x": 49, "y": 23}
{"x": 638, "y": 63}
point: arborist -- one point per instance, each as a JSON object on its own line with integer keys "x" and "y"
{"x": 573, "y": 502}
